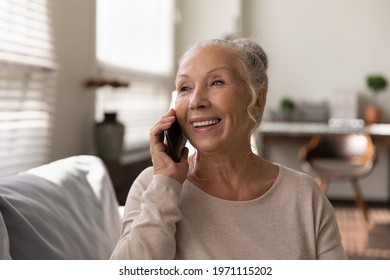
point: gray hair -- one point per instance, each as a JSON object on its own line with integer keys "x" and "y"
{"x": 253, "y": 61}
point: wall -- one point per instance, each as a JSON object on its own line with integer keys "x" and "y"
{"x": 74, "y": 43}
{"x": 203, "y": 19}
{"x": 318, "y": 47}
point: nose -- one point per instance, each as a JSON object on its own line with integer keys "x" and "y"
{"x": 199, "y": 99}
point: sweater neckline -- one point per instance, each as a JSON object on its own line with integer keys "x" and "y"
{"x": 204, "y": 195}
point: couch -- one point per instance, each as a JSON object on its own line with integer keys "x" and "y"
{"x": 66, "y": 209}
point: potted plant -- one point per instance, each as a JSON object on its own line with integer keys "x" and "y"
{"x": 376, "y": 83}
{"x": 288, "y": 107}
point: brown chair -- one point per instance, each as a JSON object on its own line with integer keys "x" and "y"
{"x": 341, "y": 157}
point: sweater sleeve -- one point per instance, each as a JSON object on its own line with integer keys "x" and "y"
{"x": 150, "y": 217}
{"x": 329, "y": 246}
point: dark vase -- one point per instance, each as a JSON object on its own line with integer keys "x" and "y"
{"x": 109, "y": 138}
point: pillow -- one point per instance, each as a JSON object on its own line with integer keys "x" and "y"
{"x": 4, "y": 241}
{"x": 63, "y": 210}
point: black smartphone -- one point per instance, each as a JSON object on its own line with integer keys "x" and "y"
{"x": 175, "y": 141}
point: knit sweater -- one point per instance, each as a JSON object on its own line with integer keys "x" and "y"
{"x": 164, "y": 219}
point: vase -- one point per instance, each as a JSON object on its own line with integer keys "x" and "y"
{"x": 109, "y": 138}
{"x": 372, "y": 114}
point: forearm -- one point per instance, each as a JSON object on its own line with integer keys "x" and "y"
{"x": 148, "y": 231}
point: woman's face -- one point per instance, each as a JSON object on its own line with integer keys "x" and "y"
{"x": 212, "y": 100}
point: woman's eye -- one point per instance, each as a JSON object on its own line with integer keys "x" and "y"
{"x": 184, "y": 89}
{"x": 217, "y": 83}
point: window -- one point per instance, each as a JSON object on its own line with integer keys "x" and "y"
{"x": 134, "y": 42}
{"x": 27, "y": 84}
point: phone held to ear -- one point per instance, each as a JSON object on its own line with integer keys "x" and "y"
{"x": 175, "y": 141}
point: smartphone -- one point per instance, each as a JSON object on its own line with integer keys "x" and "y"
{"x": 175, "y": 141}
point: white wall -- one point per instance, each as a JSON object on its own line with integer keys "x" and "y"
{"x": 205, "y": 19}
{"x": 74, "y": 43}
{"x": 318, "y": 47}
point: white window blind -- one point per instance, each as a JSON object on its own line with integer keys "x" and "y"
{"x": 27, "y": 84}
{"x": 134, "y": 42}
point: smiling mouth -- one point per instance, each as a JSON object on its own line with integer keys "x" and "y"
{"x": 206, "y": 123}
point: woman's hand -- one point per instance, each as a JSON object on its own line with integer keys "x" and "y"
{"x": 162, "y": 163}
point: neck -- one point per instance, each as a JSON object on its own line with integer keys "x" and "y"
{"x": 228, "y": 176}
{"x": 204, "y": 164}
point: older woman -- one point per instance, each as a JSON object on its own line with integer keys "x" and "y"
{"x": 223, "y": 202}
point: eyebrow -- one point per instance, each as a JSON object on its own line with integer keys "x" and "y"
{"x": 217, "y": 69}
{"x": 208, "y": 73}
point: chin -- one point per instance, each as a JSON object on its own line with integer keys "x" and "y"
{"x": 207, "y": 149}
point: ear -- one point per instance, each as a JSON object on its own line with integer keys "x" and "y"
{"x": 258, "y": 108}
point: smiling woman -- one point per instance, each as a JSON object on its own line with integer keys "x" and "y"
{"x": 223, "y": 202}
{"x": 224, "y": 82}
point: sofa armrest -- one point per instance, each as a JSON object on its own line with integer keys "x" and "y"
{"x": 66, "y": 209}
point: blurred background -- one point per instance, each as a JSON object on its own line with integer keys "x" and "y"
{"x": 94, "y": 56}
{"x": 68, "y": 65}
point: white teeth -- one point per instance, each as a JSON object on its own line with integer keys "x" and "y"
{"x": 205, "y": 123}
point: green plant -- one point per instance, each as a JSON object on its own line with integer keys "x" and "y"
{"x": 287, "y": 103}
{"x": 376, "y": 83}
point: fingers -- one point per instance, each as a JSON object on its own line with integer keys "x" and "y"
{"x": 156, "y": 133}
{"x": 162, "y": 163}
{"x": 157, "y": 146}
{"x": 184, "y": 156}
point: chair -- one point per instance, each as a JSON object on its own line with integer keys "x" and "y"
{"x": 341, "y": 157}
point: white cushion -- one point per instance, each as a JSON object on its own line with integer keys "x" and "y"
{"x": 63, "y": 210}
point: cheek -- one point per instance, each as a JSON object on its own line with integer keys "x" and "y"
{"x": 181, "y": 109}
{"x": 237, "y": 104}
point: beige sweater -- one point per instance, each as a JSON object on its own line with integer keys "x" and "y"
{"x": 166, "y": 220}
